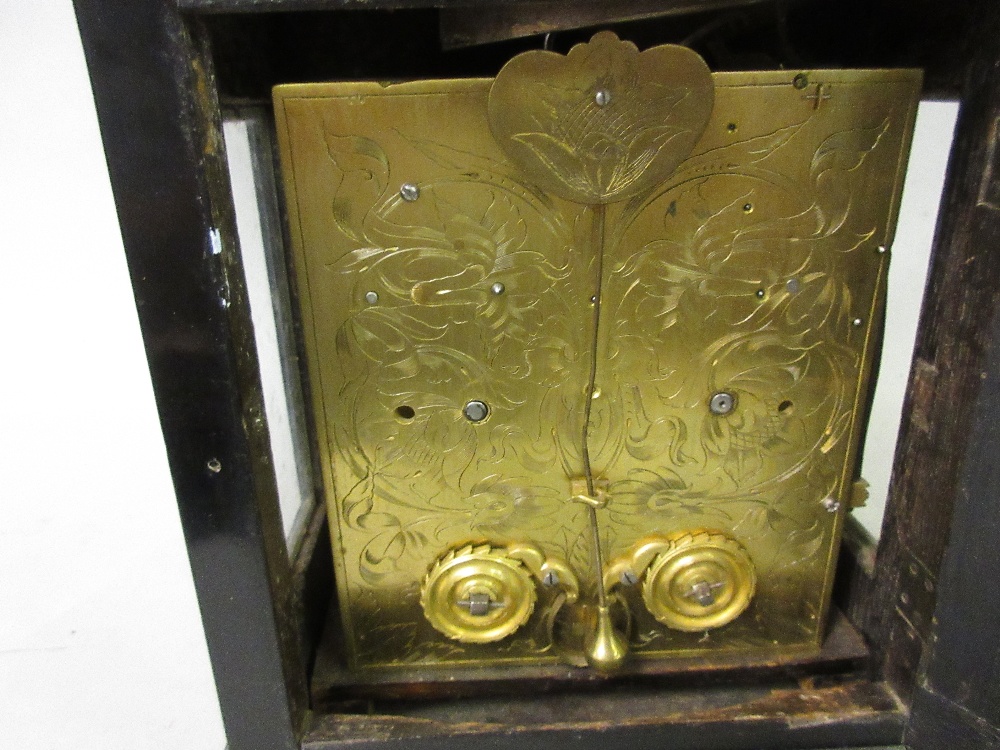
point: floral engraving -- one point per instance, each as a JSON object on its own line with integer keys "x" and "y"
{"x": 606, "y": 121}
{"x": 734, "y": 264}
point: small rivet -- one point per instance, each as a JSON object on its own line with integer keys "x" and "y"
{"x": 881, "y": 249}
{"x": 409, "y": 192}
{"x": 371, "y": 297}
{"x": 476, "y": 411}
{"x": 498, "y": 288}
{"x": 793, "y": 286}
{"x": 214, "y": 465}
{"x": 722, "y": 403}
{"x": 760, "y": 293}
{"x": 629, "y": 578}
{"x": 800, "y": 81}
{"x": 857, "y": 322}
{"x": 602, "y": 97}
{"x": 550, "y": 578}
{"x": 831, "y": 504}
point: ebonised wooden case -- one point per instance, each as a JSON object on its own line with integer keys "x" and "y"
{"x": 163, "y": 71}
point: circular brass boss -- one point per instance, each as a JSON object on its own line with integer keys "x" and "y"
{"x": 703, "y": 581}
{"x": 477, "y": 594}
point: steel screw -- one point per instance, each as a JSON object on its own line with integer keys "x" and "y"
{"x": 476, "y": 411}
{"x": 479, "y": 604}
{"x": 703, "y": 592}
{"x": 550, "y": 579}
{"x": 857, "y": 322}
{"x": 371, "y": 297}
{"x": 498, "y": 288}
{"x": 629, "y": 578}
{"x": 409, "y": 192}
{"x": 722, "y": 403}
{"x": 602, "y": 97}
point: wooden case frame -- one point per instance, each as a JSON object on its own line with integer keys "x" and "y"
{"x": 921, "y": 598}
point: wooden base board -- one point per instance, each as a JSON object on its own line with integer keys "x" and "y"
{"x": 334, "y": 686}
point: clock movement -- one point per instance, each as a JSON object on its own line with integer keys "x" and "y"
{"x": 589, "y": 345}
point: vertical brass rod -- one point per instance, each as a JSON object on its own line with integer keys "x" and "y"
{"x": 597, "y": 243}
{"x": 602, "y": 595}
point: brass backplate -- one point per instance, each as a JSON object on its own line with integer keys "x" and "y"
{"x": 490, "y": 269}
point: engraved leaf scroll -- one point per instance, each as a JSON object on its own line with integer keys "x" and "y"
{"x": 738, "y": 259}
{"x": 604, "y": 122}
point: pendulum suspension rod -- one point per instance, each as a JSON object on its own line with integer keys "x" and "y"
{"x": 605, "y": 648}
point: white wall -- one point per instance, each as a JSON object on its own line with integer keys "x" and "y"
{"x": 911, "y": 251}
{"x": 101, "y": 645}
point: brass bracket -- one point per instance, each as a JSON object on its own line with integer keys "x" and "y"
{"x": 579, "y": 494}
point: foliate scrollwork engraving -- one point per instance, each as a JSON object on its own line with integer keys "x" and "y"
{"x": 605, "y": 122}
{"x": 592, "y": 246}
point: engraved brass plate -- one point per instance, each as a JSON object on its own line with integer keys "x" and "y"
{"x": 607, "y": 297}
